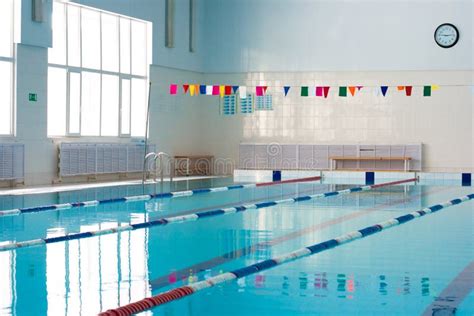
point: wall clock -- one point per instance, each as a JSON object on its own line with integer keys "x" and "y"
{"x": 446, "y": 35}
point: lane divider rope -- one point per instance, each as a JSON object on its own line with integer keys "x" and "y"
{"x": 189, "y": 217}
{"x": 146, "y": 197}
{"x": 180, "y": 292}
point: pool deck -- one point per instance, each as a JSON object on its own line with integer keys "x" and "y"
{"x": 69, "y": 187}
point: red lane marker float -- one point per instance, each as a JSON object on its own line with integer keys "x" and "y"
{"x": 374, "y": 186}
{"x": 262, "y": 184}
{"x": 150, "y": 302}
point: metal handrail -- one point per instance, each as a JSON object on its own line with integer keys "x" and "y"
{"x": 155, "y": 157}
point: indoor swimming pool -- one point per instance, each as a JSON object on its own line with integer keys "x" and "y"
{"x": 424, "y": 266}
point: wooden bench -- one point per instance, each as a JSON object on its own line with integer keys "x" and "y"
{"x": 191, "y": 164}
{"x": 333, "y": 161}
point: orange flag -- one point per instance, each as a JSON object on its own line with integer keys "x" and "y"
{"x": 401, "y": 88}
{"x": 352, "y": 90}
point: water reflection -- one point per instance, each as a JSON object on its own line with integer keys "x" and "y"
{"x": 89, "y": 275}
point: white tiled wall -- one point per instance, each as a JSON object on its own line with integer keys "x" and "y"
{"x": 442, "y": 122}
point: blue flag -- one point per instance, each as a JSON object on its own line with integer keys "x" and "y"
{"x": 287, "y": 89}
{"x": 235, "y": 88}
{"x": 384, "y": 90}
{"x": 202, "y": 89}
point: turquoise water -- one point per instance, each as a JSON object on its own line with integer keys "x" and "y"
{"x": 400, "y": 271}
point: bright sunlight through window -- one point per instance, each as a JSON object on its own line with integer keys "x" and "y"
{"x": 98, "y": 73}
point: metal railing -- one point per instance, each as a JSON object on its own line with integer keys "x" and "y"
{"x": 159, "y": 168}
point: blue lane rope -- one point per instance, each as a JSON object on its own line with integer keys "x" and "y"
{"x": 186, "y": 290}
{"x": 146, "y": 197}
{"x": 189, "y": 217}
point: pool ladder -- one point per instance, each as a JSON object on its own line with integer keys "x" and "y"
{"x": 160, "y": 156}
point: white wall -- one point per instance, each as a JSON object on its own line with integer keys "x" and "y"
{"x": 334, "y": 35}
{"x": 442, "y": 122}
{"x": 277, "y": 42}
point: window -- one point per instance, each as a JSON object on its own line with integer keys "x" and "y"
{"x": 228, "y": 105}
{"x": 6, "y": 67}
{"x": 264, "y": 103}
{"x": 246, "y": 104}
{"x": 98, "y": 73}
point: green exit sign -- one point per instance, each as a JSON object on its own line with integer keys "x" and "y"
{"x": 33, "y": 97}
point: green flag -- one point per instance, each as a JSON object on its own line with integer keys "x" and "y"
{"x": 304, "y": 91}
{"x": 427, "y": 91}
{"x": 343, "y": 91}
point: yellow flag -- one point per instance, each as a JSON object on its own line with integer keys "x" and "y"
{"x": 192, "y": 89}
{"x": 222, "y": 91}
{"x": 435, "y": 87}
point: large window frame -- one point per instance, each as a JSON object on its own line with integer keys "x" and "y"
{"x": 124, "y": 26}
{"x": 11, "y": 60}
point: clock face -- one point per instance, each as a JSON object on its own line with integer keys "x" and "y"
{"x": 446, "y": 35}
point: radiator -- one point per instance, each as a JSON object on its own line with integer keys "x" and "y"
{"x": 76, "y": 159}
{"x": 307, "y": 157}
{"x": 12, "y": 162}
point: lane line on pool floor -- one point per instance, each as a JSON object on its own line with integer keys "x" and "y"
{"x": 180, "y": 292}
{"x": 146, "y": 197}
{"x": 452, "y": 296}
{"x": 197, "y": 268}
{"x": 190, "y": 217}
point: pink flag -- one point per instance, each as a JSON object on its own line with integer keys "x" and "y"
{"x": 259, "y": 91}
{"x": 173, "y": 89}
{"x": 215, "y": 90}
{"x": 319, "y": 91}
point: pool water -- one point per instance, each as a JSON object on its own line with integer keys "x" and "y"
{"x": 402, "y": 271}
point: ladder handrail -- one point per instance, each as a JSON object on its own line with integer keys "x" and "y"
{"x": 155, "y": 156}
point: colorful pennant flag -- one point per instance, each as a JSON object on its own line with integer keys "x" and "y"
{"x": 185, "y": 88}
{"x": 408, "y": 90}
{"x": 228, "y": 90}
{"x": 243, "y": 92}
{"x": 235, "y": 88}
{"x": 434, "y": 87}
{"x": 427, "y": 91}
{"x": 209, "y": 90}
{"x": 173, "y": 89}
{"x": 400, "y": 88}
{"x": 359, "y": 88}
{"x": 192, "y": 88}
{"x": 326, "y": 91}
{"x": 215, "y": 90}
{"x": 384, "y": 90}
{"x": 221, "y": 91}
{"x": 352, "y": 90}
{"x": 319, "y": 91}
{"x": 311, "y": 91}
{"x": 343, "y": 91}
{"x": 202, "y": 89}
{"x": 259, "y": 91}
{"x": 196, "y": 89}
{"x": 304, "y": 91}
{"x": 264, "y": 89}
{"x": 286, "y": 89}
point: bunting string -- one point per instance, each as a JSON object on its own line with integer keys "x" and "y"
{"x": 310, "y": 91}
